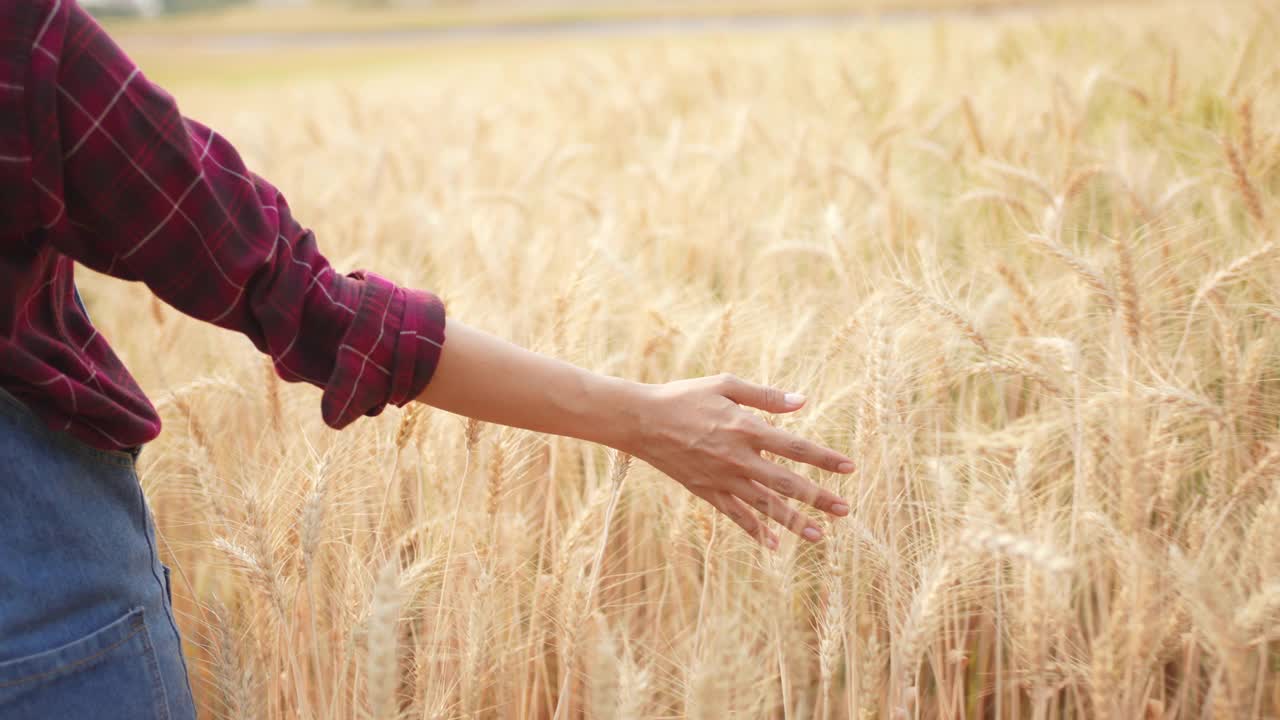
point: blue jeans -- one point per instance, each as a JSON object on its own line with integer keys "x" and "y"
{"x": 86, "y": 620}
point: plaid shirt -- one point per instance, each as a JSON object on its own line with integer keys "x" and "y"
{"x": 98, "y": 166}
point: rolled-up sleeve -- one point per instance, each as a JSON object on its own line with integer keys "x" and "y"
{"x": 155, "y": 197}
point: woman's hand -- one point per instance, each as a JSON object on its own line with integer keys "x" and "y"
{"x": 697, "y": 432}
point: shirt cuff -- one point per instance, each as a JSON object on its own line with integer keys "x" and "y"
{"x": 388, "y": 353}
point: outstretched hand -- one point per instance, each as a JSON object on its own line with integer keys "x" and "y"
{"x": 698, "y": 433}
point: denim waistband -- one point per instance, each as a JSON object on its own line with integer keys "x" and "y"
{"x": 15, "y": 408}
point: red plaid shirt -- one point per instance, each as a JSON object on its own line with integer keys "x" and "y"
{"x": 98, "y": 166}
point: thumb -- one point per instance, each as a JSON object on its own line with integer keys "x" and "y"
{"x": 762, "y": 397}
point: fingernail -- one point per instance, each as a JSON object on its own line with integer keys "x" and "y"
{"x": 772, "y": 542}
{"x": 811, "y": 533}
{"x": 845, "y": 467}
{"x": 840, "y": 509}
{"x": 794, "y": 399}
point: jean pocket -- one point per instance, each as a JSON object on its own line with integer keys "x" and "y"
{"x": 110, "y": 673}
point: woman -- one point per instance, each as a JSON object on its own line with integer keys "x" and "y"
{"x": 97, "y": 166}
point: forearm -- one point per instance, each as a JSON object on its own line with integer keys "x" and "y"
{"x": 489, "y": 379}
{"x": 695, "y": 431}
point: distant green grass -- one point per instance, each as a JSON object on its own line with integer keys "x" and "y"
{"x": 328, "y": 18}
{"x": 173, "y": 67}
{"x": 169, "y": 49}
{"x": 188, "y": 66}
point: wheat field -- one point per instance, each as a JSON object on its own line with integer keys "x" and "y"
{"x": 1025, "y": 268}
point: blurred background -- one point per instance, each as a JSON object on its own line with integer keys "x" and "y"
{"x": 151, "y": 8}
{"x": 188, "y": 45}
{"x": 332, "y": 14}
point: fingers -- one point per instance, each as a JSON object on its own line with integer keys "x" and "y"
{"x": 773, "y": 506}
{"x": 794, "y": 448}
{"x": 741, "y": 515}
{"x": 789, "y": 484}
{"x": 761, "y": 397}
{"x": 776, "y": 441}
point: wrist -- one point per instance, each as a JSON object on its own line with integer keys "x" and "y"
{"x": 617, "y": 412}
